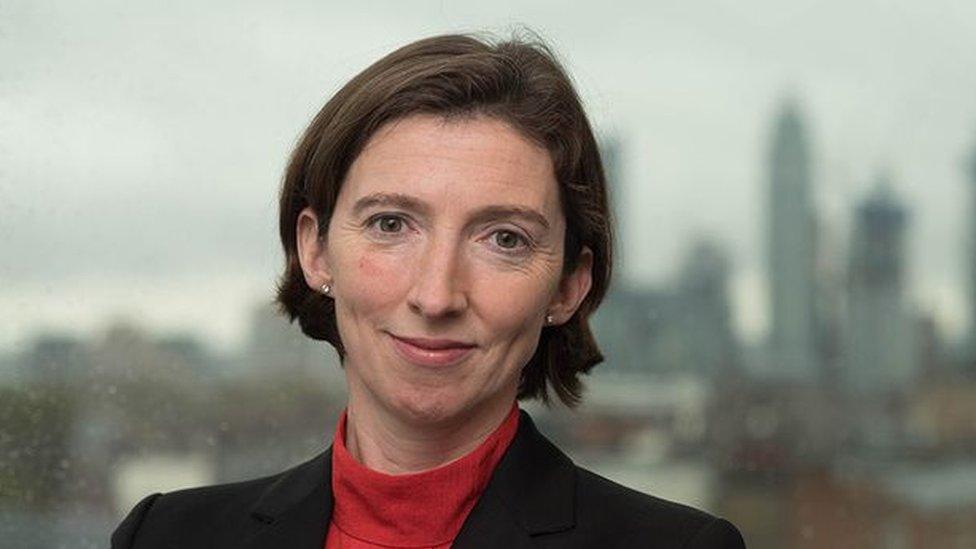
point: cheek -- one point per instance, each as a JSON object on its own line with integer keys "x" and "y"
{"x": 369, "y": 281}
{"x": 367, "y": 266}
{"x": 511, "y": 306}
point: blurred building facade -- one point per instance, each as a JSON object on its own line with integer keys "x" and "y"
{"x": 881, "y": 354}
{"x": 682, "y": 328}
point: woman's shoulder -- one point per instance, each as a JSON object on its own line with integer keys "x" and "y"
{"x": 203, "y": 516}
{"x": 160, "y": 516}
{"x": 643, "y": 520}
{"x": 584, "y": 509}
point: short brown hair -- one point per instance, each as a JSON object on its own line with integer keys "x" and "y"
{"x": 518, "y": 81}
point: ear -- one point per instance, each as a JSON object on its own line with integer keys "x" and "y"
{"x": 312, "y": 250}
{"x": 573, "y": 288}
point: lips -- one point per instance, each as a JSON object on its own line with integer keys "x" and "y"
{"x": 431, "y": 352}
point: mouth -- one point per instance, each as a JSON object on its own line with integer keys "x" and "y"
{"x": 431, "y": 352}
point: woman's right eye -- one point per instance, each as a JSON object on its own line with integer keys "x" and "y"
{"x": 388, "y": 223}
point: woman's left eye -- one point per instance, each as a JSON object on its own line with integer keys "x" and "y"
{"x": 509, "y": 240}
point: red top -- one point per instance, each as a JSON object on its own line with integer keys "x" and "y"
{"x": 415, "y": 510}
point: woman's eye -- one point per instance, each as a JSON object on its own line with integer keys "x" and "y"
{"x": 389, "y": 224}
{"x": 508, "y": 239}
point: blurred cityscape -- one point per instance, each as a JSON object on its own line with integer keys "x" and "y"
{"x": 853, "y": 423}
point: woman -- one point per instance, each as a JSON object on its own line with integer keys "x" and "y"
{"x": 445, "y": 224}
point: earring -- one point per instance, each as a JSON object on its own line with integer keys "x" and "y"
{"x": 326, "y": 289}
{"x": 549, "y": 319}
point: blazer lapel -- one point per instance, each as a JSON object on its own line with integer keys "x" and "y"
{"x": 531, "y": 493}
{"x": 296, "y": 509}
{"x": 491, "y": 525}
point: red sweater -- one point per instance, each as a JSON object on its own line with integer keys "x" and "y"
{"x": 415, "y": 510}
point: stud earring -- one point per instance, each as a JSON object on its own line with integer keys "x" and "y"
{"x": 327, "y": 289}
{"x": 548, "y": 319}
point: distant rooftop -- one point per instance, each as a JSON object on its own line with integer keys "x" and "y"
{"x": 935, "y": 487}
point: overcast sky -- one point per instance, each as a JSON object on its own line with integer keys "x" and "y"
{"x": 142, "y": 143}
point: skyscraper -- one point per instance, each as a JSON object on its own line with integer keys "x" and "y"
{"x": 617, "y": 191}
{"x": 880, "y": 353}
{"x": 971, "y": 256}
{"x": 791, "y": 251}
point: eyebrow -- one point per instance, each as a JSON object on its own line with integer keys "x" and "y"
{"x": 488, "y": 213}
{"x": 492, "y": 213}
{"x": 398, "y": 200}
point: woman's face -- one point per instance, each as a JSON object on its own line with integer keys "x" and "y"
{"x": 444, "y": 253}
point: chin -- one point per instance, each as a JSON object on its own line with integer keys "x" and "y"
{"x": 428, "y": 408}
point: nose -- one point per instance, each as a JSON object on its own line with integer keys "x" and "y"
{"x": 438, "y": 289}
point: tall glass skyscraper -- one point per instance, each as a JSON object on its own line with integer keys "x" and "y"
{"x": 791, "y": 251}
{"x": 971, "y": 257}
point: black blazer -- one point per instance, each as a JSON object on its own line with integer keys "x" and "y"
{"x": 536, "y": 498}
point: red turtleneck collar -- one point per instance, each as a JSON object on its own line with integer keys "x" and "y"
{"x": 415, "y": 510}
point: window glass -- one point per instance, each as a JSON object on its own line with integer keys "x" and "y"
{"x": 790, "y": 339}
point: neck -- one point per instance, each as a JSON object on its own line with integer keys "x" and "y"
{"x": 387, "y": 443}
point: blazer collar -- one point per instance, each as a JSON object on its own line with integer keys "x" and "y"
{"x": 295, "y": 509}
{"x": 531, "y": 492}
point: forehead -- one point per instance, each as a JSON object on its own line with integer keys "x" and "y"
{"x": 472, "y": 161}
